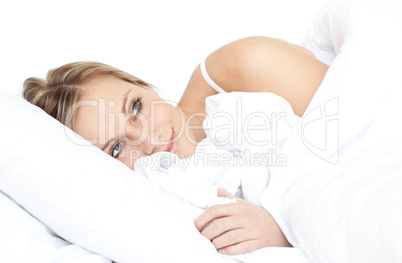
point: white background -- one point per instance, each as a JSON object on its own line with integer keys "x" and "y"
{"x": 159, "y": 41}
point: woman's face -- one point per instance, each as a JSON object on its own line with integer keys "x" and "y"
{"x": 128, "y": 121}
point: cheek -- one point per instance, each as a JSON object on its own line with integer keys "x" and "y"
{"x": 166, "y": 114}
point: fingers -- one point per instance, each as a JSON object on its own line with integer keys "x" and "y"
{"x": 239, "y": 228}
{"x": 220, "y": 226}
{"x": 214, "y": 212}
{"x": 229, "y": 238}
{"x": 224, "y": 193}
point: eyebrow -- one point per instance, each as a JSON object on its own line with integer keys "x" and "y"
{"x": 124, "y": 110}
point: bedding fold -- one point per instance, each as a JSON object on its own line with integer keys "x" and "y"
{"x": 338, "y": 196}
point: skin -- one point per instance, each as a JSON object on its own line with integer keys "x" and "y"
{"x": 106, "y": 118}
{"x": 256, "y": 64}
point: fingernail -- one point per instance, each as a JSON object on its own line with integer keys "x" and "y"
{"x": 222, "y": 251}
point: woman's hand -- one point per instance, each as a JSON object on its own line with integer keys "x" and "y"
{"x": 239, "y": 228}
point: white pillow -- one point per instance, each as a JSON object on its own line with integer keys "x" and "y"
{"x": 88, "y": 198}
{"x": 339, "y": 197}
{"x": 25, "y": 239}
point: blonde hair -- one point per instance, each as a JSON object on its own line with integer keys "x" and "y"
{"x": 62, "y": 89}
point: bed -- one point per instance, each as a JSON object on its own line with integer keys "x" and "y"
{"x": 337, "y": 199}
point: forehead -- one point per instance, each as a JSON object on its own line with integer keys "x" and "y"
{"x": 108, "y": 88}
{"x": 101, "y": 98}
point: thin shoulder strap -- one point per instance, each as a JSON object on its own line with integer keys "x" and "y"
{"x": 208, "y": 79}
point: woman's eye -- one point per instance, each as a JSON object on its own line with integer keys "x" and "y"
{"x": 136, "y": 107}
{"x": 116, "y": 149}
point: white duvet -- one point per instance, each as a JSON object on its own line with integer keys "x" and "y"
{"x": 339, "y": 196}
{"x": 245, "y": 134}
{"x": 337, "y": 199}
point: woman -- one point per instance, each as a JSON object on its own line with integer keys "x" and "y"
{"x": 125, "y": 117}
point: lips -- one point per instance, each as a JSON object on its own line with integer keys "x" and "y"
{"x": 172, "y": 146}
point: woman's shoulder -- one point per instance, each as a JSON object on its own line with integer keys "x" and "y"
{"x": 209, "y": 77}
{"x": 258, "y": 64}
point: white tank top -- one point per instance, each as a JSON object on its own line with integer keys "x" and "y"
{"x": 208, "y": 79}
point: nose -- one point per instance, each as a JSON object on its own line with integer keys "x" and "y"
{"x": 143, "y": 139}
